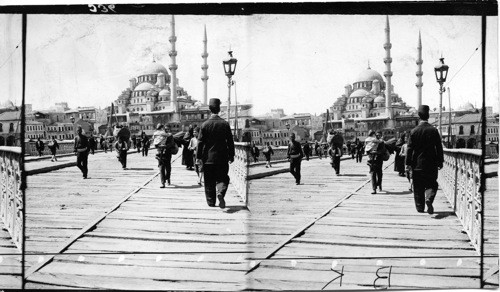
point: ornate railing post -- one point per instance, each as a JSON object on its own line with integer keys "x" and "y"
{"x": 460, "y": 181}
{"x": 238, "y": 170}
{"x": 11, "y": 198}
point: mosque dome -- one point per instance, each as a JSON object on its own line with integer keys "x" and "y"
{"x": 359, "y": 93}
{"x": 369, "y": 75}
{"x": 413, "y": 110}
{"x": 154, "y": 68}
{"x": 379, "y": 99}
{"x": 164, "y": 92}
{"x": 144, "y": 86}
{"x": 467, "y": 106}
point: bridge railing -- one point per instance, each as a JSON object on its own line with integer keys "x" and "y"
{"x": 460, "y": 181}
{"x": 238, "y": 170}
{"x": 11, "y": 198}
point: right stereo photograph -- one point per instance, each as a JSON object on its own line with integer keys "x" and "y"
{"x": 368, "y": 170}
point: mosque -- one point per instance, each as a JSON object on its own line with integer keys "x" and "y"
{"x": 154, "y": 96}
{"x": 370, "y": 103}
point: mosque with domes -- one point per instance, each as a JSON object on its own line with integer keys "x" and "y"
{"x": 154, "y": 96}
{"x": 370, "y": 102}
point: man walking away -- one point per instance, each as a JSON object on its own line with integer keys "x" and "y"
{"x": 337, "y": 144}
{"x": 81, "y": 149}
{"x": 53, "y": 146}
{"x": 215, "y": 150}
{"x": 268, "y": 151}
{"x": 374, "y": 159}
{"x": 255, "y": 152}
{"x": 39, "y": 146}
{"x": 92, "y": 144}
{"x": 294, "y": 155}
{"x": 424, "y": 158}
{"x": 306, "y": 150}
{"x": 121, "y": 147}
{"x": 145, "y": 144}
{"x": 160, "y": 139}
{"x": 359, "y": 151}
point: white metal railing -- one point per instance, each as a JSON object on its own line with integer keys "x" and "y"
{"x": 238, "y": 170}
{"x": 460, "y": 180}
{"x": 11, "y": 198}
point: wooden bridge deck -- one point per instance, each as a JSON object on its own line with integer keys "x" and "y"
{"x": 10, "y": 262}
{"x": 362, "y": 234}
{"x": 293, "y": 237}
{"x": 156, "y": 239}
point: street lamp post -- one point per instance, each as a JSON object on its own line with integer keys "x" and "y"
{"x": 441, "y": 71}
{"x": 229, "y": 68}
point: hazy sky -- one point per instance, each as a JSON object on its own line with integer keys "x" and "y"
{"x": 296, "y": 62}
{"x": 10, "y": 58}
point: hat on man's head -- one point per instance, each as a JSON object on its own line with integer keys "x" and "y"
{"x": 214, "y": 102}
{"x": 423, "y": 112}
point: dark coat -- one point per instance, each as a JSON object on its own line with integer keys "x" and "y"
{"x": 425, "y": 151}
{"x": 215, "y": 142}
{"x": 294, "y": 149}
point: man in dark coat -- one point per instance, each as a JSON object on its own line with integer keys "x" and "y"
{"x": 215, "y": 152}
{"x": 81, "y": 149}
{"x": 424, "y": 157}
{"x": 294, "y": 155}
{"x": 307, "y": 150}
{"x": 337, "y": 145}
{"x": 39, "y": 146}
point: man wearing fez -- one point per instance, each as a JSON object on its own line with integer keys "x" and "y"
{"x": 424, "y": 157}
{"x": 215, "y": 152}
{"x": 81, "y": 150}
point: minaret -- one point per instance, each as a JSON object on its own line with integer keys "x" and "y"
{"x": 204, "y": 67}
{"x": 419, "y": 83}
{"x": 388, "y": 73}
{"x": 173, "y": 66}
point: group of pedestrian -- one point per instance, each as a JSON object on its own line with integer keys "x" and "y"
{"x": 208, "y": 150}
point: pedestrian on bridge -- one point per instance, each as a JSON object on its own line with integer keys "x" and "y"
{"x": 254, "y": 151}
{"x": 216, "y": 151}
{"x": 375, "y": 149}
{"x": 121, "y": 147}
{"x": 53, "y": 146}
{"x": 105, "y": 145}
{"x": 317, "y": 149}
{"x": 268, "y": 151}
{"x": 187, "y": 155}
{"x": 145, "y": 143}
{"x": 336, "y": 145}
{"x": 424, "y": 158}
{"x": 139, "y": 143}
{"x": 165, "y": 145}
{"x": 193, "y": 146}
{"x": 307, "y": 150}
{"x": 81, "y": 149}
{"x": 39, "y": 146}
{"x": 294, "y": 155}
{"x": 359, "y": 151}
{"x": 92, "y": 144}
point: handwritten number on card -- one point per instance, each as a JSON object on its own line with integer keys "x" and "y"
{"x": 101, "y": 8}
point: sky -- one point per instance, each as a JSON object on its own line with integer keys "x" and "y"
{"x": 300, "y": 63}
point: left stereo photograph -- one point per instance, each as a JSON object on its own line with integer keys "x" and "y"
{"x": 11, "y": 195}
